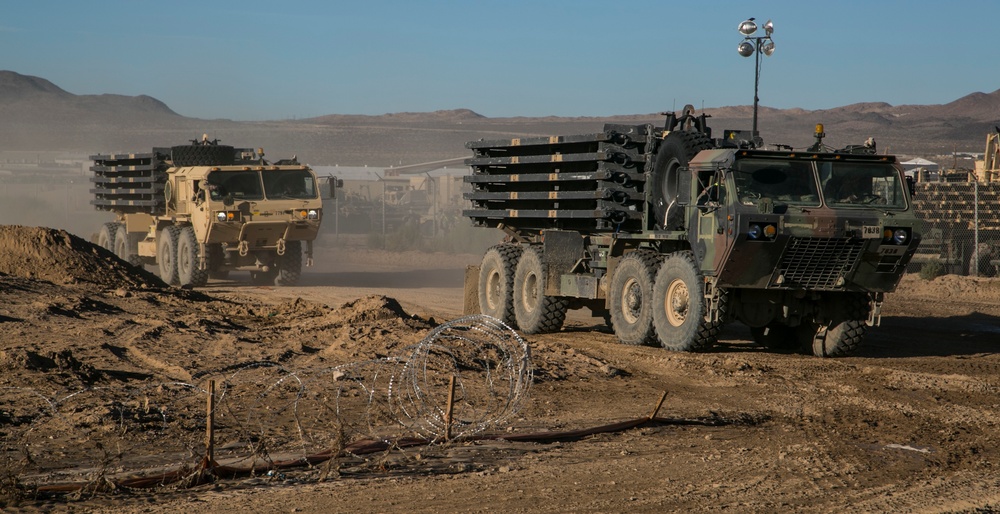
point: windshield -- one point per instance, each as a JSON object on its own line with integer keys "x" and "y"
{"x": 847, "y": 184}
{"x": 784, "y": 182}
{"x": 289, "y": 184}
{"x": 239, "y": 185}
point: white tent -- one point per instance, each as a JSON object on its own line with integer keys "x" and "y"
{"x": 913, "y": 164}
{"x": 921, "y": 169}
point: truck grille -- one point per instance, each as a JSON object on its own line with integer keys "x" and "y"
{"x": 818, "y": 263}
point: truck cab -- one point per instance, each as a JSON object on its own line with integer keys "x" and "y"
{"x": 796, "y": 239}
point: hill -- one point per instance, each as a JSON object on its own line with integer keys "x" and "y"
{"x": 40, "y": 116}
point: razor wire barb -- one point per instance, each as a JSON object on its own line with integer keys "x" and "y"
{"x": 492, "y": 369}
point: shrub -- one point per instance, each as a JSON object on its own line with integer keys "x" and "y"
{"x": 931, "y": 270}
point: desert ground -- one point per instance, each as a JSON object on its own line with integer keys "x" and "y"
{"x": 99, "y": 359}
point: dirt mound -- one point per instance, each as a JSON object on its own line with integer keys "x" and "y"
{"x": 23, "y": 359}
{"x": 60, "y": 257}
{"x": 369, "y": 309}
{"x": 950, "y": 287}
{"x": 366, "y": 328}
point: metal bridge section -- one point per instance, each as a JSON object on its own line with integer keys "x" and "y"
{"x": 130, "y": 182}
{"x": 588, "y": 183}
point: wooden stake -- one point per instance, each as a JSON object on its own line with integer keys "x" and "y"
{"x": 658, "y": 405}
{"x": 451, "y": 402}
{"x": 210, "y": 425}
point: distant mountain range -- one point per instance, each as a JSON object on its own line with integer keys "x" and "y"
{"x": 39, "y": 116}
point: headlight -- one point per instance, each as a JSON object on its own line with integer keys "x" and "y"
{"x": 762, "y": 231}
{"x": 896, "y": 236}
{"x": 221, "y": 216}
{"x": 313, "y": 214}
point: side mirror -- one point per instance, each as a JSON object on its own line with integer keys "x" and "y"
{"x": 910, "y": 186}
{"x": 332, "y": 184}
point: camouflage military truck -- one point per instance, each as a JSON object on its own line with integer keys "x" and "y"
{"x": 669, "y": 234}
{"x": 204, "y": 209}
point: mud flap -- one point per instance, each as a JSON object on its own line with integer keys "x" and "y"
{"x": 875, "y": 311}
{"x": 715, "y": 302}
{"x": 471, "y": 290}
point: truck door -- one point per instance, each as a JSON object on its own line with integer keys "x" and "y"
{"x": 714, "y": 223}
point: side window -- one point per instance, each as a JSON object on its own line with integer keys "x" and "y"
{"x": 711, "y": 188}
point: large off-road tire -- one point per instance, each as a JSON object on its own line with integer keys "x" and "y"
{"x": 289, "y": 264}
{"x": 166, "y": 254}
{"x": 776, "y": 336}
{"x": 203, "y": 155}
{"x": 845, "y": 332}
{"x": 630, "y": 298}
{"x": 496, "y": 282}
{"x": 106, "y": 236}
{"x": 189, "y": 272}
{"x": 674, "y": 153}
{"x": 127, "y": 246}
{"x": 680, "y": 306}
{"x": 534, "y": 312}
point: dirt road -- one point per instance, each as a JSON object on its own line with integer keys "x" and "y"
{"x": 908, "y": 425}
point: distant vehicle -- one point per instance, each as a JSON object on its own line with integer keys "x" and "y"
{"x": 961, "y": 210}
{"x": 204, "y": 209}
{"x": 669, "y": 234}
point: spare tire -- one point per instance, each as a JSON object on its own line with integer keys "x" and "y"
{"x": 203, "y": 155}
{"x": 675, "y": 151}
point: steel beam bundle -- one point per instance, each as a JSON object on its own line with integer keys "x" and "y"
{"x": 588, "y": 183}
{"x": 130, "y": 182}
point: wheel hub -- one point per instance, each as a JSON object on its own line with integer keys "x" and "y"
{"x": 677, "y": 303}
{"x": 631, "y": 301}
{"x": 530, "y": 293}
{"x": 493, "y": 290}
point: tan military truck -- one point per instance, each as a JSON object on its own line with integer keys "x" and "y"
{"x": 204, "y": 209}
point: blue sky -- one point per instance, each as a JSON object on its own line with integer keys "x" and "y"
{"x": 257, "y": 60}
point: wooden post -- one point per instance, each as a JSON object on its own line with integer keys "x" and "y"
{"x": 447, "y": 414}
{"x": 210, "y": 425}
{"x": 658, "y": 405}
